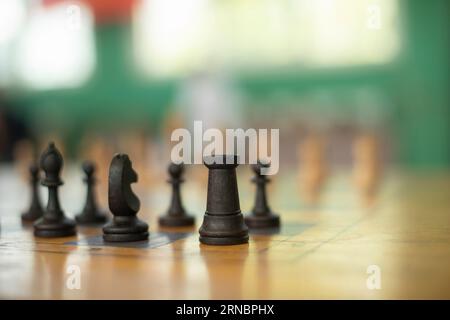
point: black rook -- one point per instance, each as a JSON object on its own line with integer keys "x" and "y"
{"x": 223, "y": 223}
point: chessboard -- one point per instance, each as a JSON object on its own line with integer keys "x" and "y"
{"x": 331, "y": 250}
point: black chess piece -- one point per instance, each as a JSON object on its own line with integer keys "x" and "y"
{"x": 35, "y": 210}
{"x": 176, "y": 215}
{"x": 53, "y": 223}
{"x": 91, "y": 214}
{"x": 261, "y": 216}
{"x": 223, "y": 222}
{"x": 123, "y": 203}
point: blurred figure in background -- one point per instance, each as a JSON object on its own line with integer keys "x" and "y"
{"x": 12, "y": 130}
{"x": 210, "y": 98}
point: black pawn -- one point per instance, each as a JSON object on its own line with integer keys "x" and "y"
{"x": 91, "y": 214}
{"x": 176, "y": 215}
{"x": 53, "y": 223}
{"x": 123, "y": 203}
{"x": 261, "y": 216}
{"x": 35, "y": 210}
{"x": 223, "y": 223}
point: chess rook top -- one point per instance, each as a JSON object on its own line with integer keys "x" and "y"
{"x": 223, "y": 223}
{"x": 223, "y": 196}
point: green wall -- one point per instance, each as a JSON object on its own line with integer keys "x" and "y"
{"x": 415, "y": 86}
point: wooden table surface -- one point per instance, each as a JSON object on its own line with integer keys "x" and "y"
{"x": 321, "y": 252}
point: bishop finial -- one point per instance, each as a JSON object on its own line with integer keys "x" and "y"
{"x": 51, "y": 163}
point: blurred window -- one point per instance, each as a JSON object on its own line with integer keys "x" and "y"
{"x": 12, "y": 18}
{"x": 56, "y": 49}
{"x": 175, "y": 38}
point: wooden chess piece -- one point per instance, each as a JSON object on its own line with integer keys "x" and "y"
{"x": 223, "y": 222}
{"x": 53, "y": 222}
{"x": 35, "y": 210}
{"x": 313, "y": 170}
{"x": 176, "y": 215}
{"x": 91, "y": 214}
{"x": 123, "y": 203}
{"x": 261, "y": 216}
{"x": 366, "y": 171}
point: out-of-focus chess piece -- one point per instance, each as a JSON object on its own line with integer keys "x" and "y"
{"x": 313, "y": 170}
{"x": 23, "y": 155}
{"x": 35, "y": 210}
{"x": 91, "y": 213}
{"x": 261, "y": 217}
{"x": 176, "y": 216}
{"x": 366, "y": 169}
{"x": 57, "y": 141}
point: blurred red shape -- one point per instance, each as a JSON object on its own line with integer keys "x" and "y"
{"x": 105, "y": 11}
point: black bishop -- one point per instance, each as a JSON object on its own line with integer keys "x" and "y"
{"x": 53, "y": 222}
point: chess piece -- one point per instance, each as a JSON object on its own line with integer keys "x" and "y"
{"x": 91, "y": 214}
{"x": 313, "y": 170}
{"x": 53, "y": 222}
{"x": 123, "y": 203}
{"x": 176, "y": 215}
{"x": 261, "y": 216}
{"x": 223, "y": 222}
{"x": 366, "y": 172}
{"x": 35, "y": 210}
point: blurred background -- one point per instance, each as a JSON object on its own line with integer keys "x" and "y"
{"x": 98, "y": 76}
